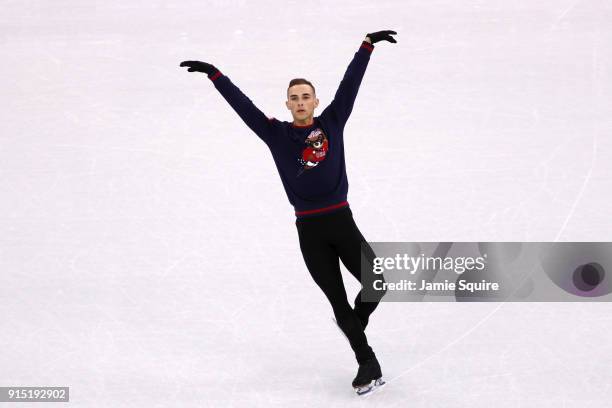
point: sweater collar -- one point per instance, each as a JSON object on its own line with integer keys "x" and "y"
{"x": 314, "y": 123}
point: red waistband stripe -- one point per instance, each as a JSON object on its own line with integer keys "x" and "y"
{"x": 319, "y": 210}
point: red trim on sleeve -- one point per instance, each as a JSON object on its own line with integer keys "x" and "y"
{"x": 318, "y": 210}
{"x": 367, "y": 46}
{"x": 215, "y": 76}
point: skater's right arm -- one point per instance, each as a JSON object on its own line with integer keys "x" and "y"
{"x": 242, "y": 105}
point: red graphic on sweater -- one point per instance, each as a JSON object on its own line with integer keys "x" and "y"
{"x": 316, "y": 151}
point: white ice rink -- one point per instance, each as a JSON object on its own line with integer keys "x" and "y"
{"x": 148, "y": 253}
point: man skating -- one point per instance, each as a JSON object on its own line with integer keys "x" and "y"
{"x": 309, "y": 156}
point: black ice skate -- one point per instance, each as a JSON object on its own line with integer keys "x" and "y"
{"x": 369, "y": 377}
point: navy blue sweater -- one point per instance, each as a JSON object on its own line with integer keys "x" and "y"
{"x": 309, "y": 159}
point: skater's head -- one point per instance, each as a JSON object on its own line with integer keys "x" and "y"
{"x": 301, "y": 100}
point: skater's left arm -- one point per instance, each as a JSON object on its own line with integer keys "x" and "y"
{"x": 342, "y": 104}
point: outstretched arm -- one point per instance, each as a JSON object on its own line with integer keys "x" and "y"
{"x": 342, "y": 105}
{"x": 244, "y": 107}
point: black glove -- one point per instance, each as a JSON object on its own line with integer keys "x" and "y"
{"x": 382, "y": 35}
{"x": 199, "y": 66}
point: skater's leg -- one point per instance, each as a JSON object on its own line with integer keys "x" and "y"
{"x": 351, "y": 247}
{"x": 323, "y": 264}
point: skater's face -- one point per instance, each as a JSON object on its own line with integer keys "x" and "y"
{"x": 301, "y": 101}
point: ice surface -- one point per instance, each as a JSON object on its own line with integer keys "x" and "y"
{"x": 148, "y": 253}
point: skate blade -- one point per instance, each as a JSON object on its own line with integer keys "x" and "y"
{"x": 370, "y": 388}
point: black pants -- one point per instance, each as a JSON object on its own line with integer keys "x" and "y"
{"x": 324, "y": 239}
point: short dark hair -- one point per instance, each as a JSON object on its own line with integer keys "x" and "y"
{"x": 301, "y": 81}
